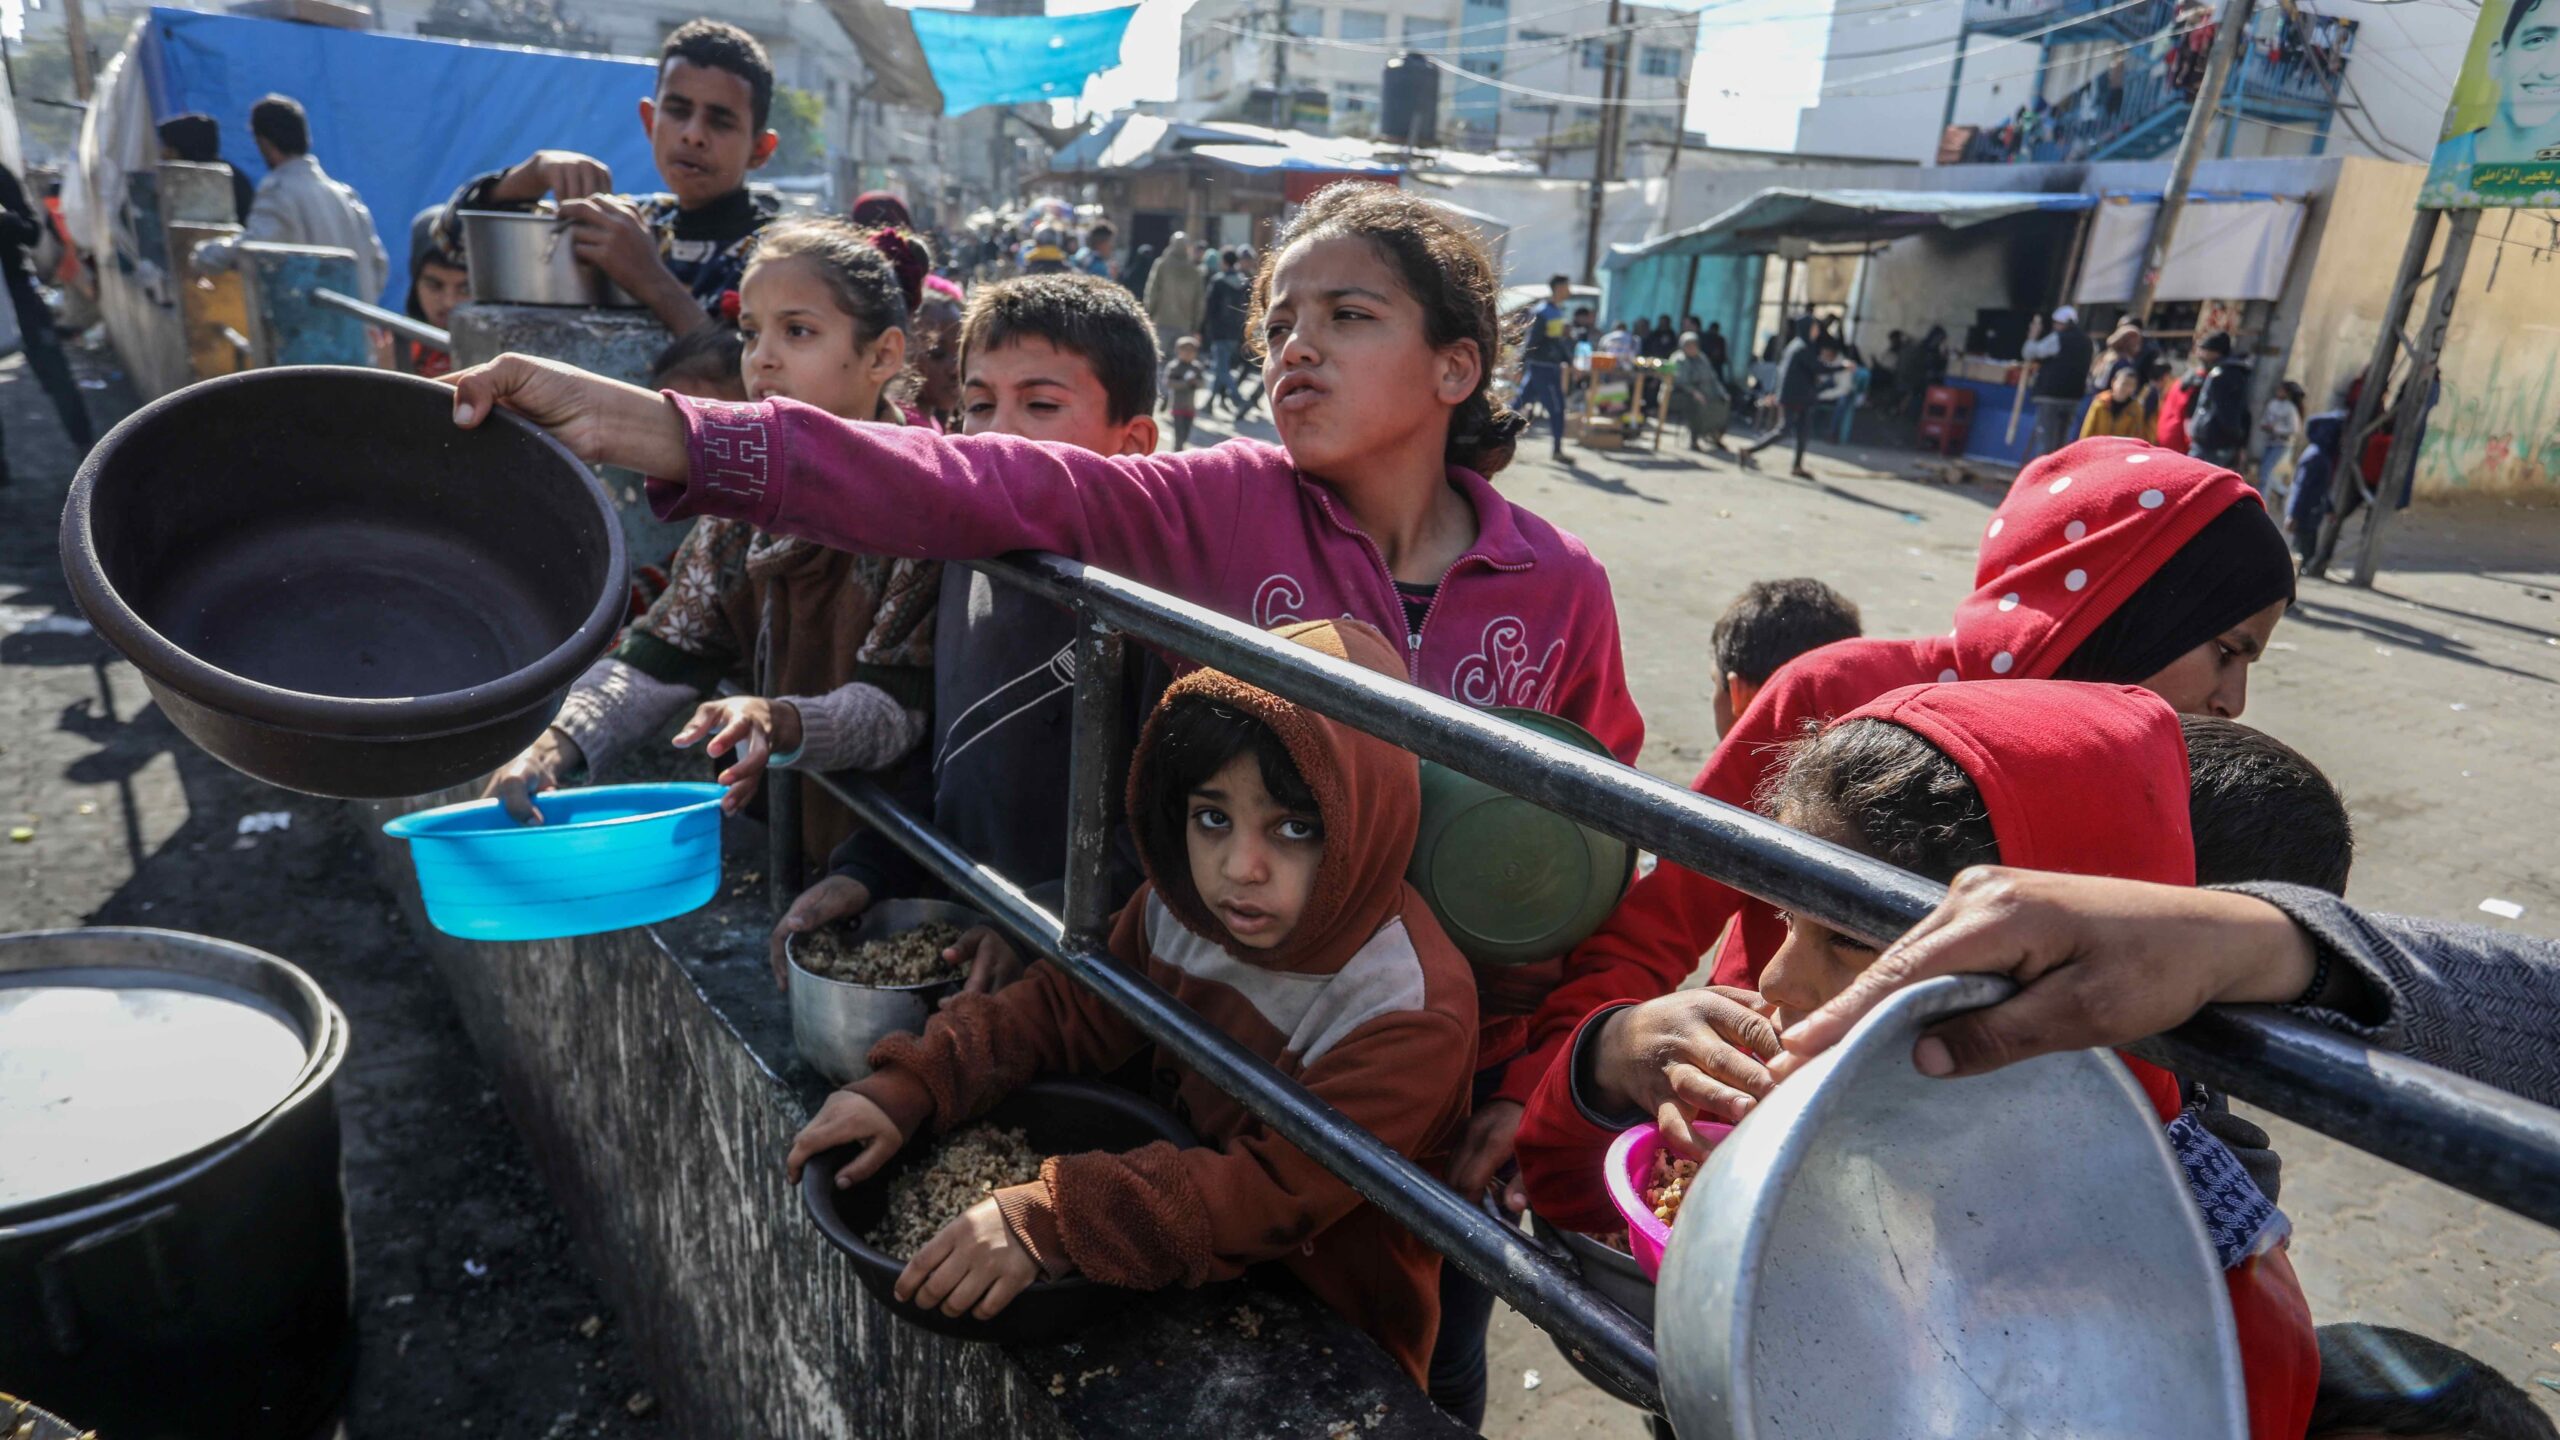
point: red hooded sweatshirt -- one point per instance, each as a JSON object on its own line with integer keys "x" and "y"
{"x": 2081, "y": 530}
{"x": 2083, "y": 779}
{"x": 1366, "y": 1003}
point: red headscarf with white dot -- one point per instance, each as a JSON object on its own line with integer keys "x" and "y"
{"x": 2081, "y": 531}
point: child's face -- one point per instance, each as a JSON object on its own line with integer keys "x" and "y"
{"x": 1353, "y": 373}
{"x": 1186, "y": 350}
{"x": 1815, "y": 964}
{"x": 1253, "y": 860}
{"x": 800, "y": 345}
{"x": 2124, "y": 386}
{"x": 2213, "y": 678}
{"x": 440, "y": 289}
{"x": 702, "y": 130}
{"x": 938, "y": 357}
{"x": 1031, "y": 388}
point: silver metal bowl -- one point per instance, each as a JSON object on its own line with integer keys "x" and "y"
{"x": 1620, "y": 1281}
{"x": 523, "y": 257}
{"x": 1876, "y": 1252}
{"x": 834, "y": 1023}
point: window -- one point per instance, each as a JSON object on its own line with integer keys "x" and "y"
{"x": 1306, "y": 21}
{"x": 1661, "y": 60}
{"x": 1362, "y": 25}
{"x": 1426, "y": 34}
{"x": 1537, "y": 37}
{"x": 1595, "y": 55}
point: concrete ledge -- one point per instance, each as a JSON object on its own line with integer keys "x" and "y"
{"x": 652, "y": 1073}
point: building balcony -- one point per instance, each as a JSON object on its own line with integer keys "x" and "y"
{"x": 2289, "y": 72}
{"x": 2017, "y": 17}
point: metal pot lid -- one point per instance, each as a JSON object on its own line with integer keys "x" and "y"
{"x": 110, "y": 1071}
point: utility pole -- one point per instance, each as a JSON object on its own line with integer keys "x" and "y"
{"x": 75, "y": 34}
{"x": 2182, "y": 170}
{"x": 1600, "y": 149}
{"x": 1281, "y": 109}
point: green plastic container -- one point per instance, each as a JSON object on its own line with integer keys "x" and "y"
{"x": 1512, "y": 883}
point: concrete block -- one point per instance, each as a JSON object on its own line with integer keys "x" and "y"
{"x": 653, "y": 1076}
{"x": 196, "y": 194}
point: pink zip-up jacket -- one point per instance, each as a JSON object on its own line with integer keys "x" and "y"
{"x": 1524, "y": 618}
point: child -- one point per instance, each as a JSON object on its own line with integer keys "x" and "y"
{"x": 1183, "y": 377}
{"x": 2278, "y": 426}
{"x": 1065, "y": 358}
{"x": 2377, "y": 1381}
{"x": 709, "y": 364}
{"x": 1770, "y": 623}
{"x": 1275, "y": 843}
{"x": 439, "y": 282}
{"x": 2260, "y": 811}
{"x": 708, "y": 125}
{"x": 823, "y": 321}
{"x": 2109, "y": 560}
{"x": 2307, "y": 507}
{"x": 1936, "y": 779}
{"x": 2126, "y": 408}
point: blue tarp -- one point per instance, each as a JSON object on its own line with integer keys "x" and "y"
{"x": 403, "y": 120}
{"x": 1016, "y": 59}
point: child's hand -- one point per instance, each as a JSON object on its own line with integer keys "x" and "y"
{"x": 847, "y": 1118}
{"x": 1492, "y": 1134}
{"x": 974, "y": 1267}
{"x": 754, "y": 727}
{"x": 993, "y": 963}
{"x": 1694, "y": 1052}
{"x": 550, "y": 756}
{"x": 838, "y": 897}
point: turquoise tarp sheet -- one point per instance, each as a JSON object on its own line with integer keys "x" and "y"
{"x": 1016, "y": 59}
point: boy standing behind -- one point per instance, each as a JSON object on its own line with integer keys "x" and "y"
{"x": 708, "y": 126}
{"x": 1770, "y": 623}
{"x": 1070, "y": 358}
{"x": 1183, "y": 377}
{"x": 1275, "y": 843}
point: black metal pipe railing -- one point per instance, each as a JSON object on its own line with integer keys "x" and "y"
{"x": 392, "y": 320}
{"x": 2496, "y": 1146}
{"x": 1504, "y": 1259}
{"x": 2412, "y": 1114}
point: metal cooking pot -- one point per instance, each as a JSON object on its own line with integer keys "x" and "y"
{"x": 522, "y": 257}
{"x": 329, "y": 587}
{"x": 1620, "y": 1281}
{"x": 2010, "y": 1255}
{"x": 173, "y": 1248}
{"x": 834, "y": 1023}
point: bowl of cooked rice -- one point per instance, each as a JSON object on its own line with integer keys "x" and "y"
{"x": 1647, "y": 1180}
{"x": 854, "y": 985}
{"x": 933, "y": 1180}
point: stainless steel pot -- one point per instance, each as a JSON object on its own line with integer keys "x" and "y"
{"x": 525, "y": 258}
{"x": 173, "y": 1254}
{"x": 834, "y": 1023}
{"x": 2010, "y": 1255}
{"x": 1618, "y": 1278}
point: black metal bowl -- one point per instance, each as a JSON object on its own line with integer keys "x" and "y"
{"x": 1058, "y": 1117}
{"x": 330, "y": 588}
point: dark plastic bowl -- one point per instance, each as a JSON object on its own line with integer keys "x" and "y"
{"x": 1058, "y": 1117}
{"x": 330, "y": 588}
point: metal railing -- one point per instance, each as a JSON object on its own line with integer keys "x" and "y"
{"x": 2476, "y": 1138}
{"x": 391, "y": 320}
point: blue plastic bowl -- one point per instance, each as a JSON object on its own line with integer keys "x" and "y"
{"x": 604, "y": 858}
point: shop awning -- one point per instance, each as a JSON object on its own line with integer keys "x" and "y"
{"x": 1843, "y": 217}
{"x": 2229, "y": 246}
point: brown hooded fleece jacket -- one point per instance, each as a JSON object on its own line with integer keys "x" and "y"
{"x": 1366, "y": 1003}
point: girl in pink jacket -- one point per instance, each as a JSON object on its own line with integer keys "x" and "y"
{"x": 1377, "y": 313}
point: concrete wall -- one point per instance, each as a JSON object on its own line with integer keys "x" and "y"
{"x": 2496, "y": 428}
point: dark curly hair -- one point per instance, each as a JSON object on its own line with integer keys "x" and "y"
{"x": 718, "y": 45}
{"x": 1449, "y": 273}
{"x": 1881, "y": 790}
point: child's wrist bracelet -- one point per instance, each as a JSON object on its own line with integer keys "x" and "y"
{"x": 2319, "y": 975}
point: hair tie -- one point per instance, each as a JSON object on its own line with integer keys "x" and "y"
{"x": 728, "y": 306}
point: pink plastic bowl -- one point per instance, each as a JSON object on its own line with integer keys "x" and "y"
{"x": 1630, "y": 1161}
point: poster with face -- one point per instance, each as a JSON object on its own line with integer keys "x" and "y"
{"x": 2500, "y": 145}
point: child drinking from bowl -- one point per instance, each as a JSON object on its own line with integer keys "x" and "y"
{"x": 823, "y": 316}
{"x": 1275, "y": 844}
{"x": 2053, "y": 775}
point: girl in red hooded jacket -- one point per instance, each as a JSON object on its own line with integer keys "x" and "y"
{"x": 2110, "y": 560}
{"x": 2084, "y": 779}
